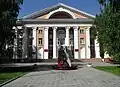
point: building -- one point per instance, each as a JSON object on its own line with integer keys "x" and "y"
{"x": 43, "y": 32}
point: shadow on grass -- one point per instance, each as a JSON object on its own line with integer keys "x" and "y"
{"x": 25, "y": 68}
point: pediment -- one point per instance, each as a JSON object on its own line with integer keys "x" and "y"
{"x": 45, "y": 13}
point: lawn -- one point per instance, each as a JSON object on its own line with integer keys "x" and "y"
{"x": 112, "y": 69}
{"x": 7, "y": 76}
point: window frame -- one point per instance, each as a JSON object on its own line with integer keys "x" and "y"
{"x": 40, "y": 41}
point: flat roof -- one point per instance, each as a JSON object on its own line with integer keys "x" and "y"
{"x": 55, "y": 21}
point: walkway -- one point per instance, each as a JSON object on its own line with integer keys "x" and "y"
{"x": 83, "y": 77}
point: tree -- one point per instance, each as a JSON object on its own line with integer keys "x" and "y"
{"x": 108, "y": 28}
{"x": 9, "y": 10}
{"x": 113, "y": 3}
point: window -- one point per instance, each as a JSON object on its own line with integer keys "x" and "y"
{"x": 82, "y": 41}
{"x": 40, "y": 31}
{"x": 40, "y": 41}
{"x": 82, "y": 31}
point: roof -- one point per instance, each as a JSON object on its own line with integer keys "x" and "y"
{"x": 55, "y": 21}
{"x": 49, "y": 9}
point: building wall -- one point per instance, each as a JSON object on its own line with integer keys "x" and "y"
{"x": 82, "y": 44}
{"x": 77, "y": 15}
{"x": 40, "y": 46}
{"x": 81, "y": 36}
{"x": 43, "y": 17}
{"x": 40, "y": 34}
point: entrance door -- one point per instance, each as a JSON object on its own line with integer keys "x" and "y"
{"x": 60, "y": 37}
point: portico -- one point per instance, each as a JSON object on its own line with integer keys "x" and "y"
{"x": 59, "y": 25}
{"x": 55, "y": 28}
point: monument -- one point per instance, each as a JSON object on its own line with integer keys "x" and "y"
{"x": 64, "y": 61}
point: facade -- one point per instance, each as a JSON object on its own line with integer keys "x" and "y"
{"x": 45, "y": 30}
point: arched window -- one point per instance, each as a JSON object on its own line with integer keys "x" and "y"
{"x": 61, "y": 15}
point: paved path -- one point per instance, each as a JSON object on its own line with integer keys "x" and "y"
{"x": 83, "y": 77}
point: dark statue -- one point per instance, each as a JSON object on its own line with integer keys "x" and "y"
{"x": 64, "y": 62}
{"x": 62, "y": 58}
{"x": 64, "y": 55}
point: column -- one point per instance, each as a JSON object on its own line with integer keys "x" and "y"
{"x": 76, "y": 48}
{"x": 54, "y": 43}
{"x": 97, "y": 49}
{"x": 46, "y": 42}
{"x": 34, "y": 36}
{"x": 34, "y": 42}
{"x": 67, "y": 36}
{"x": 87, "y": 43}
{"x": 24, "y": 41}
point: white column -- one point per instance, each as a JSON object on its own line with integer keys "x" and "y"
{"x": 54, "y": 43}
{"x": 67, "y": 36}
{"x": 34, "y": 36}
{"x": 34, "y": 43}
{"x": 87, "y": 43}
{"x": 97, "y": 49}
{"x": 46, "y": 42}
{"x": 76, "y": 48}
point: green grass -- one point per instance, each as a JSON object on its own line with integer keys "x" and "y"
{"x": 112, "y": 69}
{"x": 7, "y": 76}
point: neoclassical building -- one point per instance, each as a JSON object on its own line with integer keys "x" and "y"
{"x": 45, "y": 30}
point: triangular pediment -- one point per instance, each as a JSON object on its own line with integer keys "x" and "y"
{"x": 43, "y": 14}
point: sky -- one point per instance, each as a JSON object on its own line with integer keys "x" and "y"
{"x": 30, "y": 6}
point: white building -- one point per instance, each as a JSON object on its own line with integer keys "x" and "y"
{"x": 46, "y": 29}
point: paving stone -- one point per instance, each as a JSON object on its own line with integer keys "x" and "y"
{"x": 83, "y": 77}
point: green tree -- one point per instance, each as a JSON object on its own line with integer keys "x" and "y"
{"x": 108, "y": 27}
{"x": 9, "y": 10}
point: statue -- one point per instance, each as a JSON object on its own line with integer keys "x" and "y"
{"x": 64, "y": 61}
{"x": 64, "y": 55}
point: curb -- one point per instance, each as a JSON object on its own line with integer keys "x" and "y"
{"x": 6, "y": 82}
